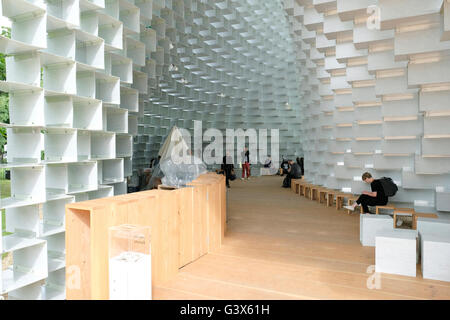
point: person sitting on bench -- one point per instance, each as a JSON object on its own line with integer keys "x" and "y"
{"x": 375, "y": 198}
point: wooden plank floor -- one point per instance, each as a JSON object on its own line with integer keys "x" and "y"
{"x": 282, "y": 246}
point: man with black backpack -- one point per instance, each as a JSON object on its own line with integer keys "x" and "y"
{"x": 381, "y": 190}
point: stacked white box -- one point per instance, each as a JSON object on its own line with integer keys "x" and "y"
{"x": 370, "y": 225}
{"x": 396, "y": 252}
{"x": 435, "y": 251}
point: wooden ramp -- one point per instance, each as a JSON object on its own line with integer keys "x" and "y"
{"x": 282, "y": 246}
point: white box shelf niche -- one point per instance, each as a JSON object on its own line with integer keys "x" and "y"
{"x": 90, "y": 50}
{"x": 122, "y": 67}
{"x": 24, "y": 68}
{"x": 87, "y": 114}
{"x": 53, "y": 216}
{"x": 28, "y": 25}
{"x": 63, "y": 13}
{"x": 60, "y": 77}
{"x": 129, "y": 99}
{"x": 24, "y": 145}
{"x": 23, "y": 220}
{"x": 112, "y": 171}
{"x": 58, "y": 111}
{"x": 102, "y": 192}
{"x": 56, "y": 251}
{"x": 56, "y": 180}
{"x": 82, "y": 177}
{"x": 85, "y": 83}
{"x": 29, "y": 266}
{"x": 83, "y": 145}
{"x": 103, "y": 146}
{"x": 27, "y": 187}
{"x": 60, "y": 145}
{"x": 124, "y": 145}
{"x": 111, "y": 30}
{"x": 116, "y": 120}
{"x": 107, "y": 88}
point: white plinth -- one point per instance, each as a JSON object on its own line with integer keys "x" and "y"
{"x": 396, "y": 252}
{"x": 435, "y": 256}
{"x": 370, "y": 224}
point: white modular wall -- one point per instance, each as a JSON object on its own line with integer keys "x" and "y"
{"x": 96, "y": 85}
{"x": 375, "y": 99}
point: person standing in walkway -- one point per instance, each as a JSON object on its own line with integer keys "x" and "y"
{"x": 245, "y": 163}
{"x": 227, "y": 167}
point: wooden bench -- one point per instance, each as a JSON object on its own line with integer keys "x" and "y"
{"x": 295, "y": 185}
{"x": 307, "y": 190}
{"x": 323, "y": 195}
{"x": 330, "y": 197}
{"x": 314, "y": 195}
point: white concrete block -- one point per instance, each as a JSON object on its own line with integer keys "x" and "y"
{"x": 370, "y": 224}
{"x": 396, "y": 252}
{"x": 435, "y": 251}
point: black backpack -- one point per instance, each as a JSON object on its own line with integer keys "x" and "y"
{"x": 389, "y": 187}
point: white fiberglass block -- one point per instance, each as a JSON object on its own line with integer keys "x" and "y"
{"x": 332, "y": 25}
{"x": 434, "y": 100}
{"x": 85, "y": 84}
{"x": 82, "y": 177}
{"x": 384, "y": 60}
{"x": 120, "y": 188}
{"x": 23, "y": 219}
{"x": 348, "y": 50}
{"x": 443, "y": 200}
{"x": 30, "y": 266}
{"x": 26, "y": 108}
{"x": 412, "y": 128}
{"x": 396, "y": 252}
{"x": 87, "y": 115}
{"x": 53, "y": 222}
{"x": 67, "y": 10}
{"x": 436, "y": 126}
{"x": 428, "y": 73}
{"x": 89, "y": 22}
{"x": 60, "y": 145}
{"x": 112, "y": 31}
{"x": 102, "y": 192}
{"x": 112, "y": 171}
{"x": 370, "y": 224}
{"x": 123, "y": 68}
{"x": 116, "y": 120}
{"x": 103, "y": 145}
{"x": 435, "y": 250}
{"x": 83, "y": 145}
{"x": 31, "y": 30}
{"x": 60, "y": 78}
{"x": 395, "y": 12}
{"x": 127, "y": 167}
{"x": 135, "y": 51}
{"x": 24, "y": 68}
{"x": 133, "y": 125}
{"x": 403, "y": 106}
{"x": 24, "y": 145}
{"x": 431, "y": 165}
{"x": 381, "y": 162}
{"x": 124, "y": 145}
{"x": 61, "y": 43}
{"x": 433, "y": 226}
{"x": 107, "y": 89}
{"x": 129, "y": 99}
{"x": 391, "y": 85}
{"x": 436, "y": 147}
{"x": 56, "y": 179}
{"x": 90, "y": 51}
{"x": 58, "y": 111}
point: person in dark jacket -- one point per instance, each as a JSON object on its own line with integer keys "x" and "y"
{"x": 375, "y": 198}
{"x": 294, "y": 172}
{"x": 227, "y": 168}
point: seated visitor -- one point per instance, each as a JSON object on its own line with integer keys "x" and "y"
{"x": 294, "y": 172}
{"x": 284, "y": 167}
{"x": 268, "y": 162}
{"x": 375, "y": 198}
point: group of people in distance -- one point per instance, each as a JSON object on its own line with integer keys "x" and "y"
{"x": 227, "y": 167}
